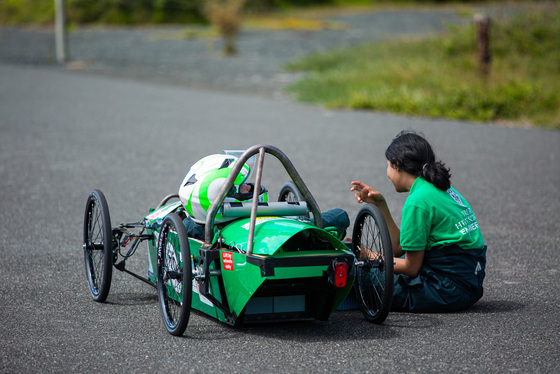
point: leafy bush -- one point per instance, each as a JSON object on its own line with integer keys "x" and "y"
{"x": 439, "y": 77}
{"x": 103, "y": 11}
{"x": 225, "y": 15}
{"x": 147, "y": 11}
{"x": 26, "y": 11}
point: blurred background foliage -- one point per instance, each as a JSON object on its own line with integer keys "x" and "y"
{"x": 438, "y": 76}
{"x": 134, "y": 12}
{"x": 433, "y": 76}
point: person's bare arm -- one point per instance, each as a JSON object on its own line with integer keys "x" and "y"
{"x": 366, "y": 194}
{"x": 410, "y": 264}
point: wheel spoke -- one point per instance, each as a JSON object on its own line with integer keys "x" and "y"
{"x": 373, "y": 278}
{"x": 372, "y": 247}
{"x": 372, "y": 288}
{"x": 95, "y": 251}
{"x": 291, "y": 197}
{"x": 97, "y": 228}
{"x": 174, "y": 275}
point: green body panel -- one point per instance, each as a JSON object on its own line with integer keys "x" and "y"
{"x": 241, "y": 279}
{"x": 156, "y": 217}
{"x": 152, "y": 255}
{"x": 270, "y": 234}
{"x": 199, "y": 301}
{"x": 153, "y": 223}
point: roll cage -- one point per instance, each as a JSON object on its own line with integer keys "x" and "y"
{"x": 261, "y": 150}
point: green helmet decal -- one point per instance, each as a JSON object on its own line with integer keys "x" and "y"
{"x": 242, "y": 175}
{"x": 210, "y": 184}
{"x": 204, "y": 180}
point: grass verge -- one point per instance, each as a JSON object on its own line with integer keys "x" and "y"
{"x": 439, "y": 77}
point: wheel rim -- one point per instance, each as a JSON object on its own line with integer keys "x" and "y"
{"x": 371, "y": 275}
{"x": 171, "y": 273}
{"x": 94, "y": 247}
{"x": 290, "y": 197}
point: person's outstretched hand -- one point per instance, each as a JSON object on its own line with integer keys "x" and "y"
{"x": 366, "y": 194}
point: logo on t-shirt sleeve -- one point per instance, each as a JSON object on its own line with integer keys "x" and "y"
{"x": 455, "y": 197}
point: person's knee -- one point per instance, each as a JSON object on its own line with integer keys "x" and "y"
{"x": 193, "y": 229}
{"x": 337, "y": 218}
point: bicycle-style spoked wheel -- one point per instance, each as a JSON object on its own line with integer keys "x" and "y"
{"x": 98, "y": 246}
{"x": 290, "y": 193}
{"x": 174, "y": 275}
{"x": 374, "y": 271}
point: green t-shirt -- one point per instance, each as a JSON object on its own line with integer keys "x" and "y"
{"x": 435, "y": 218}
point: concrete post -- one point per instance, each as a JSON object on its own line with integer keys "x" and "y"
{"x": 60, "y": 32}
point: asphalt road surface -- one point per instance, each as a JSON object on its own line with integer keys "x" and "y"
{"x": 63, "y": 133}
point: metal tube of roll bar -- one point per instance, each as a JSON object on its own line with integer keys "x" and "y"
{"x": 256, "y": 191}
{"x": 222, "y": 193}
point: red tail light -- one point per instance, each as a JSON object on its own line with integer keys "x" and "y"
{"x": 340, "y": 274}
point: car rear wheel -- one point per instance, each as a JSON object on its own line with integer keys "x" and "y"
{"x": 290, "y": 193}
{"x": 372, "y": 247}
{"x": 174, "y": 275}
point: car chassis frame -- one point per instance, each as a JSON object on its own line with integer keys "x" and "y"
{"x": 248, "y": 270}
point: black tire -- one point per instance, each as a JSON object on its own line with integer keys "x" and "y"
{"x": 166, "y": 200}
{"x": 174, "y": 275}
{"x": 98, "y": 246}
{"x": 289, "y": 192}
{"x": 374, "y": 277}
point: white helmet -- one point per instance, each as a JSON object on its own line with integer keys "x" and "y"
{"x": 203, "y": 181}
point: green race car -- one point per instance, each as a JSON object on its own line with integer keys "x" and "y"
{"x": 226, "y": 251}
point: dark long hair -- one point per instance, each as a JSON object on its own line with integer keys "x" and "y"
{"x": 412, "y": 153}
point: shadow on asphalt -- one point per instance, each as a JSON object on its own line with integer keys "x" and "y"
{"x": 341, "y": 326}
{"x": 131, "y": 298}
{"x": 495, "y": 306}
{"x": 412, "y": 320}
